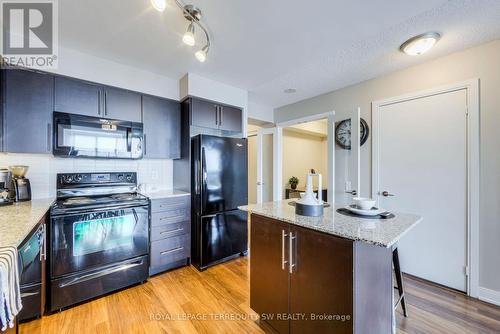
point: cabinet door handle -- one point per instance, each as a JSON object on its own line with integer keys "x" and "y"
{"x": 145, "y": 145}
{"x": 291, "y": 265}
{"x": 99, "y": 102}
{"x": 49, "y": 136}
{"x": 221, "y": 115}
{"x": 217, "y": 114}
{"x": 283, "y": 261}
{"x": 105, "y": 103}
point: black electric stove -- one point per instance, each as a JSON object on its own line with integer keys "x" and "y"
{"x": 99, "y": 236}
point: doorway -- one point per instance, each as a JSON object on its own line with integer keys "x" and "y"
{"x": 422, "y": 149}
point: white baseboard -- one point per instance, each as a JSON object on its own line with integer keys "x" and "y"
{"x": 489, "y": 296}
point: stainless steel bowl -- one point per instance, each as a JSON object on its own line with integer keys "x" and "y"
{"x": 18, "y": 171}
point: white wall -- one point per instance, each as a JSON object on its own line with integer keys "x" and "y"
{"x": 44, "y": 167}
{"x": 260, "y": 112}
{"x": 301, "y": 152}
{"x": 83, "y": 66}
{"x": 481, "y": 62}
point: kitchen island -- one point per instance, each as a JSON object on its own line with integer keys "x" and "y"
{"x": 330, "y": 274}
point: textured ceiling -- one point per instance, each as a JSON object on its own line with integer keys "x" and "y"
{"x": 267, "y": 46}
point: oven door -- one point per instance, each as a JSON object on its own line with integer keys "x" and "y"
{"x": 85, "y": 136}
{"x": 92, "y": 239}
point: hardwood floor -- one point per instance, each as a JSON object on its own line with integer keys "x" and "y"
{"x": 204, "y": 302}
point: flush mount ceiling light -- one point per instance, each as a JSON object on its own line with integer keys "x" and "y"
{"x": 193, "y": 15}
{"x": 290, "y": 91}
{"x": 420, "y": 44}
{"x": 159, "y": 5}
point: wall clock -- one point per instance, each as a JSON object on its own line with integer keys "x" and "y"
{"x": 343, "y": 133}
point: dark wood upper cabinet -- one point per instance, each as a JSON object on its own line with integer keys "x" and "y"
{"x": 269, "y": 283}
{"x": 80, "y": 97}
{"x": 122, "y": 104}
{"x": 75, "y": 96}
{"x": 162, "y": 127}
{"x": 230, "y": 118}
{"x": 214, "y": 115}
{"x": 27, "y": 111}
{"x": 204, "y": 114}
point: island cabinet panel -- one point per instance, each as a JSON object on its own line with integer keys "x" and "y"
{"x": 321, "y": 282}
{"x": 316, "y": 282}
{"x": 269, "y": 277}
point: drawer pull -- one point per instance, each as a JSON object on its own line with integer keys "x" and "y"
{"x": 171, "y": 206}
{"x": 172, "y": 251}
{"x": 172, "y": 231}
{"x": 171, "y": 217}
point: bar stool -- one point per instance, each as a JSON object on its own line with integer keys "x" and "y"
{"x": 399, "y": 281}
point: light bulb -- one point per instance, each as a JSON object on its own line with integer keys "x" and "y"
{"x": 420, "y": 44}
{"x": 201, "y": 55}
{"x": 188, "y": 37}
{"x": 159, "y": 5}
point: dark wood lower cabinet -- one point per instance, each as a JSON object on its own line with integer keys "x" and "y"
{"x": 269, "y": 283}
{"x": 305, "y": 281}
{"x": 321, "y": 283}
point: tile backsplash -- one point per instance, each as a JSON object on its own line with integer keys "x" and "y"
{"x": 43, "y": 169}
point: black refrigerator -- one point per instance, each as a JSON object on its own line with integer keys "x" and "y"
{"x": 219, "y": 185}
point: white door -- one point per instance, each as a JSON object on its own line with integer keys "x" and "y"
{"x": 268, "y": 171}
{"x": 422, "y": 159}
{"x": 348, "y": 160}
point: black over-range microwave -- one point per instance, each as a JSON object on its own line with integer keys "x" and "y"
{"x": 96, "y": 137}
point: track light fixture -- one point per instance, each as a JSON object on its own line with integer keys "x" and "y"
{"x": 193, "y": 15}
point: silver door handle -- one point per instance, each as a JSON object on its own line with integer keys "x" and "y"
{"x": 105, "y": 272}
{"x": 352, "y": 192}
{"x": 260, "y": 183}
{"x": 283, "y": 261}
{"x": 291, "y": 265}
{"x": 385, "y": 193}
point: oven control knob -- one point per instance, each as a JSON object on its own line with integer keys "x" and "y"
{"x": 129, "y": 177}
{"x": 69, "y": 178}
{"x": 78, "y": 178}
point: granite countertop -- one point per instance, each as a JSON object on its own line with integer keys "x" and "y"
{"x": 164, "y": 193}
{"x": 19, "y": 219}
{"x": 380, "y": 232}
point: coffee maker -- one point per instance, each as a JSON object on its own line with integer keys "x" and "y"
{"x": 20, "y": 189}
{"x": 4, "y": 187}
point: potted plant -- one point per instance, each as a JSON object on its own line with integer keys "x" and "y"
{"x": 293, "y": 182}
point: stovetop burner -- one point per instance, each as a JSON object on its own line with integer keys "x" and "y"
{"x": 90, "y": 191}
